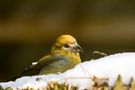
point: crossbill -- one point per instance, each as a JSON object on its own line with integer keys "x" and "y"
{"x": 63, "y": 55}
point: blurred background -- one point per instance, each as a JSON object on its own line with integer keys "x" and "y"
{"x": 29, "y": 27}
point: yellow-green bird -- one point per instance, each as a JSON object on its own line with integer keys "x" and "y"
{"x": 63, "y": 55}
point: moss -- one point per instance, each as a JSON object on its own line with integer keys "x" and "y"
{"x": 56, "y": 86}
{"x": 132, "y": 84}
{"x": 1, "y": 88}
{"x": 119, "y": 84}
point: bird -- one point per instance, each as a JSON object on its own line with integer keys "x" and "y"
{"x": 64, "y": 54}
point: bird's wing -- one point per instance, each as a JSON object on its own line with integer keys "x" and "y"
{"x": 43, "y": 62}
{"x": 35, "y": 69}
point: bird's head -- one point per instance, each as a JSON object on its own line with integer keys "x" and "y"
{"x": 66, "y": 44}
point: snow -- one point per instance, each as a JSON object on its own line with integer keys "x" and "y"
{"x": 83, "y": 75}
{"x": 34, "y": 63}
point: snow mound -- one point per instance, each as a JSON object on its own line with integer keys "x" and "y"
{"x": 83, "y": 75}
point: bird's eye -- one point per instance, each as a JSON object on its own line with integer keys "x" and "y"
{"x": 66, "y": 46}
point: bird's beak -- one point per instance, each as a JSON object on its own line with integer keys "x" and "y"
{"x": 78, "y": 48}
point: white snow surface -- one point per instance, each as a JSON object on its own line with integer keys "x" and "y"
{"x": 108, "y": 67}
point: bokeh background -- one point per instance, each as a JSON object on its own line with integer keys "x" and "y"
{"x": 28, "y": 28}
